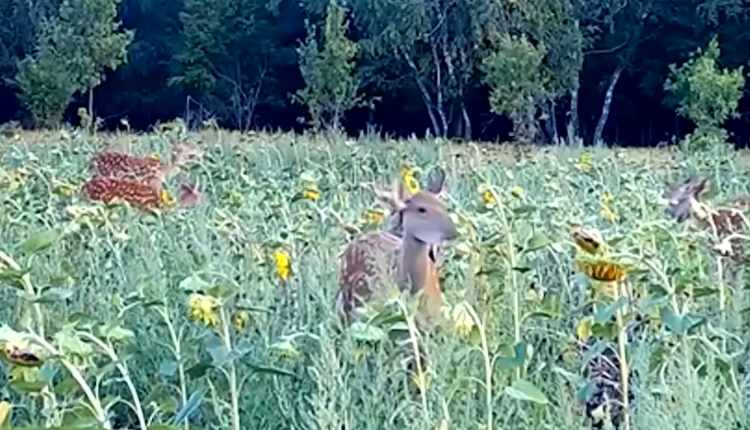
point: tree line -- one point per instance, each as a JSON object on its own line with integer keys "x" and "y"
{"x": 632, "y": 72}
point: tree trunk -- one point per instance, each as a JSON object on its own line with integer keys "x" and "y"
{"x": 425, "y": 94}
{"x": 552, "y": 121}
{"x": 467, "y": 122}
{"x": 92, "y": 122}
{"x": 439, "y": 92}
{"x": 572, "y": 128}
{"x": 607, "y": 102}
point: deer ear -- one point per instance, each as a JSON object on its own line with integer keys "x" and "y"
{"x": 437, "y": 182}
{"x": 400, "y": 192}
{"x": 701, "y": 185}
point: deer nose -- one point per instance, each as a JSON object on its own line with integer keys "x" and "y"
{"x": 451, "y": 232}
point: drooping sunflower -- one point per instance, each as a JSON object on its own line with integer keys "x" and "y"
{"x": 601, "y": 270}
{"x": 590, "y": 240}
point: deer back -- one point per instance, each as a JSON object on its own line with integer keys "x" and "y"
{"x": 367, "y": 262}
{"x": 107, "y": 189}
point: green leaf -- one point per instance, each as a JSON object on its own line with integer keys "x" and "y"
{"x": 168, "y": 368}
{"x": 517, "y": 360}
{"x": 68, "y": 341}
{"x": 271, "y": 370}
{"x": 199, "y": 370}
{"x": 537, "y": 242}
{"x": 14, "y": 277}
{"x": 522, "y": 389}
{"x": 585, "y": 392}
{"x": 217, "y": 350}
{"x": 673, "y": 321}
{"x": 193, "y": 284}
{"x": 39, "y": 241}
{"x": 118, "y": 333}
{"x": 192, "y": 404}
{"x": 367, "y": 332}
{"x": 704, "y": 292}
{"x": 53, "y": 295}
{"x": 605, "y": 314}
{"x": 523, "y": 210}
{"x": 5, "y": 415}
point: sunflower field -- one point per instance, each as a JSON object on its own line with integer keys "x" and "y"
{"x": 570, "y": 300}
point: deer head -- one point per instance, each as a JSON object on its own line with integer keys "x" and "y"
{"x": 683, "y": 201}
{"x": 183, "y": 153}
{"x": 393, "y": 200}
{"x": 190, "y": 194}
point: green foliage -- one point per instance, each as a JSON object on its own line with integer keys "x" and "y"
{"x": 46, "y": 87}
{"x": 88, "y": 39}
{"x": 203, "y": 42}
{"x": 331, "y": 87}
{"x": 515, "y": 75}
{"x": 179, "y": 317}
{"x": 231, "y": 56}
{"x": 73, "y": 51}
{"x": 705, "y": 93}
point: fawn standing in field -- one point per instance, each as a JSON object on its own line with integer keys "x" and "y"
{"x": 371, "y": 260}
{"x": 119, "y": 164}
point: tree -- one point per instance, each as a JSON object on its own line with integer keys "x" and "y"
{"x": 432, "y": 39}
{"x": 517, "y": 83}
{"x": 73, "y": 51}
{"x": 233, "y": 57}
{"x": 630, "y": 17}
{"x": 46, "y": 86}
{"x": 88, "y": 38}
{"x": 705, "y": 93}
{"x": 331, "y": 88}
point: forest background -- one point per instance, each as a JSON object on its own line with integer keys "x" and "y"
{"x": 542, "y": 70}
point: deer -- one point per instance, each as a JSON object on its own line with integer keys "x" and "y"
{"x": 113, "y": 163}
{"x": 725, "y": 224}
{"x": 369, "y": 261}
{"x": 139, "y": 194}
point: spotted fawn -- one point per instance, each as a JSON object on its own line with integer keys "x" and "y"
{"x": 139, "y": 194}
{"x": 118, "y": 164}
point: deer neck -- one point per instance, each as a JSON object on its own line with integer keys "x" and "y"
{"x": 416, "y": 265}
{"x": 419, "y": 272}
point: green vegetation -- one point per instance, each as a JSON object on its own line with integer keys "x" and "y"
{"x": 182, "y": 319}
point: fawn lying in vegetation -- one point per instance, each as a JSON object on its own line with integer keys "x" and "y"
{"x": 369, "y": 262}
{"x": 138, "y": 180}
{"x": 122, "y": 165}
{"x": 139, "y": 194}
